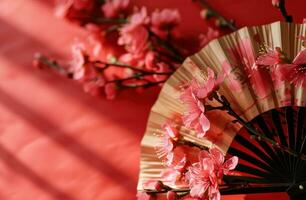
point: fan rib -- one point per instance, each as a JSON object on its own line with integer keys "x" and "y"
{"x": 276, "y": 155}
{"x": 247, "y": 144}
{"x": 252, "y": 160}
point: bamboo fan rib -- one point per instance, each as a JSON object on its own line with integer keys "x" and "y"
{"x": 255, "y": 99}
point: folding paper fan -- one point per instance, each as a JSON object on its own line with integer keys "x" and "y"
{"x": 254, "y": 109}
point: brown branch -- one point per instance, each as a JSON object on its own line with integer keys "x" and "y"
{"x": 223, "y": 21}
{"x": 282, "y": 8}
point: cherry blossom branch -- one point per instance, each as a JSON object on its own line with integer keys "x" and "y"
{"x": 121, "y": 65}
{"x": 43, "y": 61}
{"x": 223, "y": 22}
{"x": 168, "y": 46}
{"x": 175, "y": 53}
{"x": 191, "y": 144}
{"x": 255, "y": 133}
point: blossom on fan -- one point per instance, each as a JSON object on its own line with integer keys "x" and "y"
{"x": 259, "y": 77}
{"x": 272, "y": 57}
{"x": 211, "y": 83}
{"x": 295, "y": 72}
{"x": 282, "y": 70}
{"x": 194, "y": 117}
{"x": 233, "y": 76}
{"x": 210, "y": 35}
{"x": 143, "y": 196}
{"x": 164, "y": 21}
{"x": 112, "y": 8}
{"x": 134, "y": 35}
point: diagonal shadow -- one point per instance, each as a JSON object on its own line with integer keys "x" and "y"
{"x": 68, "y": 143}
{"x": 17, "y": 166}
{"x": 18, "y": 48}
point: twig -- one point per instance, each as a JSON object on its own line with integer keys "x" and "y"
{"x": 224, "y": 22}
{"x": 121, "y": 65}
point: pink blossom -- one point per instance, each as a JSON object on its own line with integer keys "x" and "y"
{"x": 203, "y": 176}
{"x": 92, "y": 85}
{"x": 194, "y": 117}
{"x": 205, "y": 89}
{"x": 210, "y": 35}
{"x": 77, "y": 64}
{"x": 220, "y": 165}
{"x": 112, "y": 8}
{"x": 131, "y": 59}
{"x": 166, "y": 146}
{"x": 143, "y": 196}
{"x": 83, "y": 4}
{"x": 151, "y": 60}
{"x": 95, "y": 38}
{"x": 304, "y": 20}
{"x": 171, "y": 131}
{"x": 294, "y": 73}
{"x": 272, "y": 57}
{"x": 164, "y": 21}
{"x": 134, "y": 35}
{"x": 203, "y": 182}
{"x": 140, "y": 17}
{"x": 110, "y": 91}
{"x": 135, "y": 40}
{"x": 179, "y": 160}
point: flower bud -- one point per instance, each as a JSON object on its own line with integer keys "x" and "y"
{"x": 220, "y": 23}
{"x": 159, "y": 186}
{"x": 171, "y": 195}
{"x": 275, "y": 3}
{"x": 206, "y": 13}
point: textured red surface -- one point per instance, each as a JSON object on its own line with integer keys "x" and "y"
{"x": 57, "y": 142}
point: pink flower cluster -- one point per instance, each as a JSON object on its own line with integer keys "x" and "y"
{"x": 113, "y": 8}
{"x": 144, "y": 63}
{"x": 178, "y": 157}
{"x": 136, "y": 36}
{"x": 194, "y": 98}
{"x": 284, "y": 70}
{"x": 200, "y": 170}
{"x": 203, "y": 176}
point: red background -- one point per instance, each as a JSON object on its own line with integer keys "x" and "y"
{"x": 57, "y": 142}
